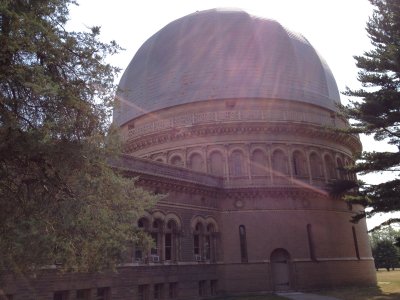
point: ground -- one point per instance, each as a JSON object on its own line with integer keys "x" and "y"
{"x": 388, "y": 288}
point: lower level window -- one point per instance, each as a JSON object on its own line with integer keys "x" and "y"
{"x": 158, "y": 291}
{"x": 213, "y": 287}
{"x": 61, "y": 295}
{"x": 173, "y": 290}
{"x": 103, "y": 293}
{"x": 143, "y": 292}
{"x": 202, "y": 287}
{"x": 83, "y": 294}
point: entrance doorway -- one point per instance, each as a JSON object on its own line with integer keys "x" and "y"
{"x": 280, "y": 267}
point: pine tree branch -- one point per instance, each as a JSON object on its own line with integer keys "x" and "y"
{"x": 391, "y": 133}
{"x": 386, "y": 223}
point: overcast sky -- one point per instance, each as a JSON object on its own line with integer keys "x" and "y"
{"x": 336, "y": 29}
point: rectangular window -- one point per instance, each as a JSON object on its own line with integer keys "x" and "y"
{"x": 243, "y": 243}
{"x": 295, "y": 166}
{"x": 103, "y": 293}
{"x": 61, "y": 295}
{"x": 168, "y": 246}
{"x": 158, "y": 291}
{"x": 213, "y": 287}
{"x": 355, "y": 242}
{"x": 311, "y": 243}
{"x": 154, "y": 250}
{"x": 83, "y": 294}
{"x": 173, "y": 290}
{"x": 202, "y": 287}
{"x": 207, "y": 247}
{"x": 143, "y": 292}
{"x": 196, "y": 242}
{"x": 138, "y": 255}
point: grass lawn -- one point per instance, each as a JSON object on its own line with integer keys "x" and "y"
{"x": 261, "y": 297}
{"x": 388, "y": 289}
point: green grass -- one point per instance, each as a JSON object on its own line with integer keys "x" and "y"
{"x": 388, "y": 288}
{"x": 251, "y": 297}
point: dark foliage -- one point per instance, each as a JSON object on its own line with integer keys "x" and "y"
{"x": 377, "y": 112}
{"x": 60, "y": 201}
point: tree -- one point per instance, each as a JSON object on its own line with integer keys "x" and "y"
{"x": 387, "y": 233}
{"x": 377, "y": 113}
{"x": 60, "y": 199}
{"x": 385, "y": 255}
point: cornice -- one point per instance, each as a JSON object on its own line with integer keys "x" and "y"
{"x": 239, "y": 128}
{"x": 275, "y": 192}
{"x": 165, "y": 184}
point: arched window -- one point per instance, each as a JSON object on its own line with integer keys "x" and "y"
{"x": 342, "y": 171}
{"x": 143, "y": 223}
{"x": 237, "y": 163}
{"x": 171, "y": 241}
{"x": 177, "y": 161}
{"x": 204, "y": 239}
{"x": 316, "y": 166}
{"x": 155, "y": 233}
{"x": 258, "y": 163}
{"x": 330, "y": 167}
{"x": 209, "y": 243}
{"x": 243, "y": 243}
{"x": 311, "y": 245}
{"x": 165, "y": 236}
{"x": 139, "y": 255}
{"x": 279, "y": 163}
{"x": 299, "y": 164}
{"x": 216, "y": 164}
{"x": 198, "y": 242}
{"x": 196, "y": 162}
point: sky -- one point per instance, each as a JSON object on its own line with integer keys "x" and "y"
{"x": 336, "y": 29}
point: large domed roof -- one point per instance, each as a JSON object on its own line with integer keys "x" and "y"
{"x": 223, "y": 54}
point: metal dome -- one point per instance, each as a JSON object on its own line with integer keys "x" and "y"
{"x": 223, "y": 54}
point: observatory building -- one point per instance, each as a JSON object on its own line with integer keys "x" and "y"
{"x": 231, "y": 116}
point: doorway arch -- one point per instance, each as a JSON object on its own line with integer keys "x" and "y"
{"x": 280, "y": 270}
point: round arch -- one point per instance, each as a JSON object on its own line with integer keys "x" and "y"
{"x": 281, "y": 269}
{"x": 158, "y": 215}
{"x": 176, "y": 160}
{"x": 196, "y": 161}
{"x": 213, "y": 222}
{"x": 196, "y": 220}
{"x": 175, "y": 218}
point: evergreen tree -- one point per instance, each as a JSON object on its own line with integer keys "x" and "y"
{"x": 385, "y": 255}
{"x": 60, "y": 200}
{"x": 377, "y": 112}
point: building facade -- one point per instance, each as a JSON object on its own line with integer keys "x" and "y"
{"x": 230, "y": 116}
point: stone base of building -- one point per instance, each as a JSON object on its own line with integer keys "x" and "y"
{"x": 189, "y": 281}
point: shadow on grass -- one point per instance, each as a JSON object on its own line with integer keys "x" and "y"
{"x": 361, "y": 293}
{"x": 252, "y": 297}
